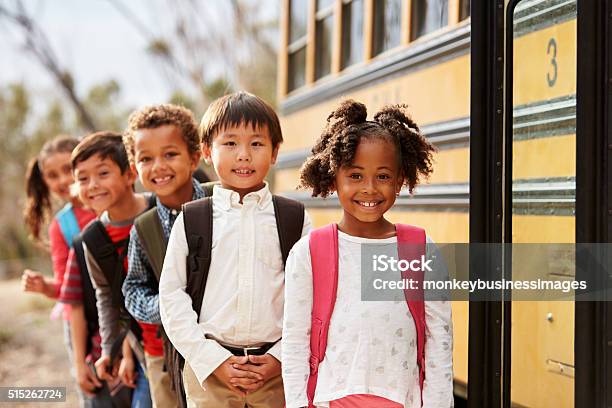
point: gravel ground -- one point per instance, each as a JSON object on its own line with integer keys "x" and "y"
{"x": 32, "y": 351}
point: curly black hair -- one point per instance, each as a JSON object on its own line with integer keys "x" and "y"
{"x": 154, "y": 116}
{"x": 345, "y": 128}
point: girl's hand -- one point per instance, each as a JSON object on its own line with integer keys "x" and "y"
{"x": 86, "y": 378}
{"x": 32, "y": 281}
{"x": 127, "y": 372}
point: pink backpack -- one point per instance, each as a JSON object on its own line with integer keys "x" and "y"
{"x": 324, "y": 258}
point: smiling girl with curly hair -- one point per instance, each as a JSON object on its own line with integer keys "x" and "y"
{"x": 374, "y": 354}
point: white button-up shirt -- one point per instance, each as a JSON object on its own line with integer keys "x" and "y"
{"x": 244, "y": 297}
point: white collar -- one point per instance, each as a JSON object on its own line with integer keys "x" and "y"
{"x": 227, "y": 198}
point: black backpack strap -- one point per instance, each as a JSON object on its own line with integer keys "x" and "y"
{"x": 107, "y": 255}
{"x": 149, "y": 229}
{"x": 198, "y": 218}
{"x": 289, "y": 216}
{"x": 89, "y": 294}
{"x": 208, "y": 188}
{"x": 104, "y": 251}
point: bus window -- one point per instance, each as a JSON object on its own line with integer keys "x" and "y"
{"x": 323, "y": 39}
{"x": 321, "y": 4}
{"x": 387, "y": 25}
{"x": 298, "y": 10}
{"x": 352, "y": 33}
{"x": 428, "y": 16}
{"x": 464, "y": 9}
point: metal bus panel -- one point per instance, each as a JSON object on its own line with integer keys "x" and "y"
{"x": 545, "y": 64}
{"x": 434, "y": 94}
{"x": 545, "y": 157}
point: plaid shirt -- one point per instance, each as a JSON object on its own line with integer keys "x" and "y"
{"x": 140, "y": 287}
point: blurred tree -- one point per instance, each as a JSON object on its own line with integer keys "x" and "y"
{"x": 104, "y": 100}
{"x": 213, "y": 47}
{"x": 15, "y": 110}
{"x": 217, "y": 88}
{"x": 182, "y": 99}
{"x": 23, "y": 131}
{"x": 203, "y": 48}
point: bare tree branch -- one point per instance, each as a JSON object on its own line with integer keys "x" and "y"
{"x": 37, "y": 44}
{"x": 209, "y": 43}
{"x": 251, "y": 30}
{"x": 158, "y": 46}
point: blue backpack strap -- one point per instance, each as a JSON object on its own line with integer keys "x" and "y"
{"x": 68, "y": 223}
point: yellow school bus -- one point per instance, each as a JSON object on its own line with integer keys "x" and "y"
{"x": 417, "y": 52}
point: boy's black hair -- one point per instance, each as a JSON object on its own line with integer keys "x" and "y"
{"x": 346, "y": 126}
{"x": 240, "y": 108}
{"x": 106, "y": 144}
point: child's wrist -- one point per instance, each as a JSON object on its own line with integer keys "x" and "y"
{"x": 80, "y": 360}
{"x": 48, "y": 287}
{"x": 128, "y": 358}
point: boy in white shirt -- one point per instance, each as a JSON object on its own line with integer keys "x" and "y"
{"x": 231, "y": 342}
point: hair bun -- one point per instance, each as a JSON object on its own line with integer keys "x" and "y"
{"x": 393, "y": 115}
{"x": 348, "y": 113}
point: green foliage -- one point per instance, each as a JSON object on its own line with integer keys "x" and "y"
{"x": 52, "y": 123}
{"x": 6, "y": 335}
{"x": 102, "y": 101}
{"x": 259, "y": 78}
{"x": 182, "y": 99}
{"x": 104, "y": 94}
{"x": 159, "y": 47}
{"x": 217, "y": 88}
{"x": 17, "y": 107}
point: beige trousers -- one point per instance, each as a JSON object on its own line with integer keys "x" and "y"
{"x": 162, "y": 395}
{"x": 216, "y": 394}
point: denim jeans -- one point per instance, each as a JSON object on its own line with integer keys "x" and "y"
{"x": 141, "y": 398}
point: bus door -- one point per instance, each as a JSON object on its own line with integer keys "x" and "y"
{"x": 541, "y": 201}
{"x": 540, "y": 141}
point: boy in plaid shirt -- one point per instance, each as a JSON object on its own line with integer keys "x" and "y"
{"x": 164, "y": 147}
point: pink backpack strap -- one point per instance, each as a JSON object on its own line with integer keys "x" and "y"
{"x": 415, "y": 236}
{"x": 324, "y": 259}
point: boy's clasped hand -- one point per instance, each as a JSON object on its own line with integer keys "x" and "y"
{"x": 247, "y": 374}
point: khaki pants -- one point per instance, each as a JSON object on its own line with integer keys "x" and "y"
{"x": 216, "y": 394}
{"x": 162, "y": 395}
